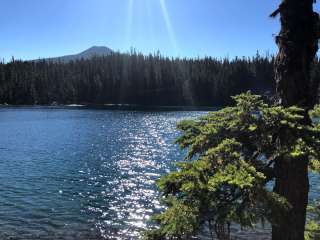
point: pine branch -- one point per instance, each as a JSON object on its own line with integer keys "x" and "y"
{"x": 275, "y": 13}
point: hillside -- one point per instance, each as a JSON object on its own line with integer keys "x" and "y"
{"x": 95, "y": 51}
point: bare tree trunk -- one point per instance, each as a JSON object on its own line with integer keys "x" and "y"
{"x": 298, "y": 45}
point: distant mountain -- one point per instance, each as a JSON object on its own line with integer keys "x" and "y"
{"x": 94, "y": 51}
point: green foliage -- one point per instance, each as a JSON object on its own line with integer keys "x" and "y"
{"x": 181, "y": 221}
{"x": 315, "y": 113}
{"x": 312, "y": 231}
{"x": 314, "y": 161}
{"x": 229, "y": 168}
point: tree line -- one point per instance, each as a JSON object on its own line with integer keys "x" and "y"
{"x": 134, "y": 78}
{"x": 137, "y": 79}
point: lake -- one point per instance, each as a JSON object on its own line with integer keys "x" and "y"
{"x": 81, "y": 173}
{"x": 69, "y": 173}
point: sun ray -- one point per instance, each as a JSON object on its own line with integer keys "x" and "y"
{"x": 129, "y": 24}
{"x": 170, "y": 30}
{"x": 150, "y": 25}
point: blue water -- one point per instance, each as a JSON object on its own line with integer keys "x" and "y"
{"x": 82, "y": 174}
{"x": 86, "y": 174}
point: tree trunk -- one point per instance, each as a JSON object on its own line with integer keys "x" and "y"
{"x": 292, "y": 182}
{"x": 298, "y": 44}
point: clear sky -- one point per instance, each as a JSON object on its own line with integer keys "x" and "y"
{"x": 31, "y": 29}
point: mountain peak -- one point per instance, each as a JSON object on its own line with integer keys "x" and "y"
{"x": 94, "y": 51}
{"x": 99, "y": 50}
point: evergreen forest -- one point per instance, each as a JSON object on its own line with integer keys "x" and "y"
{"x": 135, "y": 79}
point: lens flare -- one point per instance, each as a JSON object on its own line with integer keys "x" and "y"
{"x": 170, "y": 30}
{"x": 149, "y": 23}
{"x": 151, "y": 32}
{"x": 129, "y": 23}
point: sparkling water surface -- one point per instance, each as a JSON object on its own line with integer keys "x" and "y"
{"x": 82, "y": 174}
{"x": 86, "y": 174}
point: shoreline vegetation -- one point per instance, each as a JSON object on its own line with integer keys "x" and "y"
{"x": 135, "y": 79}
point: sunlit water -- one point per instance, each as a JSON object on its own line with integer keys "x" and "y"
{"x": 83, "y": 174}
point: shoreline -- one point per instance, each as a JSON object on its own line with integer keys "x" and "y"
{"x": 128, "y": 107}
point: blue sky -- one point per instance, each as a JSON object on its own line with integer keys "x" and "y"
{"x": 187, "y": 28}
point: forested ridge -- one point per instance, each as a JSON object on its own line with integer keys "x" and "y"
{"x": 135, "y": 79}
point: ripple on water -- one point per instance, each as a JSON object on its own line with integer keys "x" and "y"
{"x": 83, "y": 174}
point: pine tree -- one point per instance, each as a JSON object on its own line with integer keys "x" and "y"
{"x": 231, "y": 163}
{"x": 298, "y": 45}
{"x": 240, "y": 149}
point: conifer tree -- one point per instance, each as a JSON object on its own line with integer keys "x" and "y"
{"x": 298, "y": 45}
{"x": 236, "y": 152}
{"x": 230, "y": 166}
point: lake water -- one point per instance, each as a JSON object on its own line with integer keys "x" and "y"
{"x": 83, "y": 174}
